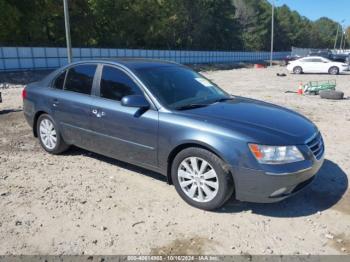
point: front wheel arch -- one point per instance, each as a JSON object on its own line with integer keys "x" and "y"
{"x": 223, "y": 176}
{"x": 183, "y": 146}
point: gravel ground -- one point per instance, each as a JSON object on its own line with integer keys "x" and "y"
{"x": 84, "y": 203}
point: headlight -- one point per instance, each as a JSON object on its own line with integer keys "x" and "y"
{"x": 276, "y": 154}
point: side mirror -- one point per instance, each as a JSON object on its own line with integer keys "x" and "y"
{"x": 135, "y": 101}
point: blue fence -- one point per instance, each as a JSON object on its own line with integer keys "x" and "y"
{"x": 27, "y": 58}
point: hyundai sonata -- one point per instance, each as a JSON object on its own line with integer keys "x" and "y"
{"x": 167, "y": 118}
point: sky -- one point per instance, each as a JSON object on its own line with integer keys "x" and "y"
{"x": 337, "y": 10}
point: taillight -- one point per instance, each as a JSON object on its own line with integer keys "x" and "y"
{"x": 24, "y": 93}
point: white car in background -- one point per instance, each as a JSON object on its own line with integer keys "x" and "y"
{"x": 316, "y": 64}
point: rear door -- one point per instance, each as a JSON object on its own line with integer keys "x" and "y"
{"x": 71, "y": 106}
{"x": 123, "y": 132}
{"x": 307, "y": 65}
{"x": 318, "y": 65}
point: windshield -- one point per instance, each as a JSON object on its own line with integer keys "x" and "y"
{"x": 177, "y": 86}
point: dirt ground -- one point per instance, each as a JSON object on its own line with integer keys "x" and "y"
{"x": 84, "y": 203}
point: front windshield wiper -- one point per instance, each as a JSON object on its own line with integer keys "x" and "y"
{"x": 223, "y": 99}
{"x": 190, "y": 106}
{"x": 197, "y": 105}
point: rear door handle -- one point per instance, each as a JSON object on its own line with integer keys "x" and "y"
{"x": 98, "y": 113}
{"x": 55, "y": 102}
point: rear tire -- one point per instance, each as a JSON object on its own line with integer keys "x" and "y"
{"x": 333, "y": 70}
{"x": 49, "y": 135}
{"x": 200, "y": 178}
{"x": 297, "y": 70}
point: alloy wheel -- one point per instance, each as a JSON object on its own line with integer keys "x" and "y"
{"x": 48, "y": 134}
{"x": 334, "y": 71}
{"x": 198, "y": 179}
{"x": 297, "y": 70}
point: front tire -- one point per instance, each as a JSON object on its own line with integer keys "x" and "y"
{"x": 49, "y": 135}
{"x": 297, "y": 70}
{"x": 200, "y": 178}
{"x": 333, "y": 70}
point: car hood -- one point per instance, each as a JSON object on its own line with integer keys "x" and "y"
{"x": 258, "y": 121}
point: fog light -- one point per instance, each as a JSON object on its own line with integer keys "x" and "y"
{"x": 278, "y": 192}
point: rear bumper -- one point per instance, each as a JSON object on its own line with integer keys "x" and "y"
{"x": 28, "y": 111}
{"x": 29, "y": 119}
{"x": 263, "y": 187}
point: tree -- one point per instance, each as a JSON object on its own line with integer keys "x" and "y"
{"x": 347, "y": 38}
{"x": 200, "y": 24}
{"x": 9, "y": 23}
{"x": 291, "y": 29}
{"x": 162, "y": 24}
{"x": 323, "y": 32}
{"x": 255, "y": 21}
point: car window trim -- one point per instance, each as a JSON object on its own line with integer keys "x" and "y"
{"x": 96, "y": 83}
{"x": 132, "y": 78}
{"x": 52, "y": 83}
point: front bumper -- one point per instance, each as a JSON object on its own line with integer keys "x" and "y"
{"x": 345, "y": 69}
{"x": 260, "y": 186}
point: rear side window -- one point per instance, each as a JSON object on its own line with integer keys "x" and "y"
{"x": 80, "y": 78}
{"x": 307, "y": 60}
{"x": 115, "y": 84}
{"x": 59, "y": 81}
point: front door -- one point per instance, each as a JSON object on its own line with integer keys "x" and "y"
{"x": 318, "y": 66}
{"x": 123, "y": 132}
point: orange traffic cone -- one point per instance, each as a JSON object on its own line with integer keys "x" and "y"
{"x": 300, "y": 89}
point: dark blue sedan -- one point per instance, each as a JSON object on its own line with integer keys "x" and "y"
{"x": 165, "y": 117}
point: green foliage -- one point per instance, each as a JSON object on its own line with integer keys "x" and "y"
{"x": 255, "y": 22}
{"x": 324, "y": 31}
{"x": 162, "y": 24}
{"x": 347, "y": 39}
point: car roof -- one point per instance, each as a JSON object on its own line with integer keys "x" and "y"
{"x": 131, "y": 63}
{"x": 318, "y": 57}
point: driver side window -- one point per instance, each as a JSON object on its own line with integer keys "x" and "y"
{"x": 115, "y": 84}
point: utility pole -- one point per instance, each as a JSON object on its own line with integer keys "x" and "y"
{"x": 272, "y": 29}
{"x": 341, "y": 40}
{"x": 336, "y": 38}
{"x": 67, "y": 25}
{"x": 342, "y": 34}
{"x": 345, "y": 38}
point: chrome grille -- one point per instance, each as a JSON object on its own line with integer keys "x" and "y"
{"x": 315, "y": 143}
